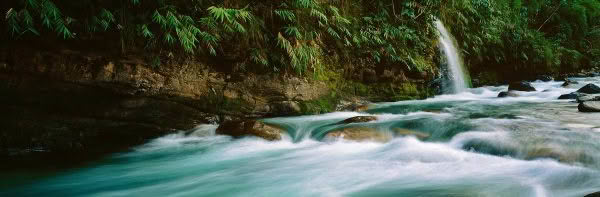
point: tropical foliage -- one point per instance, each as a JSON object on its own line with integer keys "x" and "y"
{"x": 536, "y": 36}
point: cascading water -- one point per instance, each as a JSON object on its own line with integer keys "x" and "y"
{"x": 477, "y": 145}
{"x": 456, "y": 78}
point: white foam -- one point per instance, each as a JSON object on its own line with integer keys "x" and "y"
{"x": 584, "y": 126}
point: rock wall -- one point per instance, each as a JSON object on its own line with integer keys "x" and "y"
{"x": 70, "y": 102}
{"x": 81, "y": 103}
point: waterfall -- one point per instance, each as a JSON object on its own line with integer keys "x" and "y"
{"x": 456, "y": 78}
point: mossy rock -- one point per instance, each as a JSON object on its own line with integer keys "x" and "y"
{"x": 322, "y": 105}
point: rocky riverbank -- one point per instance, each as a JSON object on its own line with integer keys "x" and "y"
{"x": 85, "y": 104}
{"x": 75, "y": 103}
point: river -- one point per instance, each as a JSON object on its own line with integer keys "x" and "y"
{"x": 480, "y": 145}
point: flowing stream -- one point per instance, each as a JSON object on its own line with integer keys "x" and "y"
{"x": 480, "y": 145}
{"x": 457, "y": 78}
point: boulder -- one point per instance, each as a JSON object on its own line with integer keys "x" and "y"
{"x": 546, "y": 78}
{"x": 241, "y": 128}
{"x": 359, "y": 119}
{"x": 406, "y": 132}
{"x": 586, "y": 97}
{"x": 359, "y": 134}
{"x": 572, "y": 95}
{"x": 521, "y": 86}
{"x": 568, "y": 83}
{"x": 589, "y": 106}
{"x": 507, "y": 94}
{"x": 590, "y": 89}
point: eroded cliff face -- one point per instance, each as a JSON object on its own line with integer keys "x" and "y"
{"x": 69, "y": 103}
{"x": 80, "y": 103}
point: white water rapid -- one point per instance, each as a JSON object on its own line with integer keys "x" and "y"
{"x": 479, "y": 145}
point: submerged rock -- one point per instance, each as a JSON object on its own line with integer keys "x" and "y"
{"x": 359, "y": 134}
{"x": 407, "y": 132}
{"x": 572, "y": 95}
{"x": 547, "y": 152}
{"x": 250, "y": 128}
{"x": 589, "y": 106}
{"x": 508, "y": 94}
{"x": 590, "y": 89}
{"x": 359, "y": 119}
{"x": 521, "y": 86}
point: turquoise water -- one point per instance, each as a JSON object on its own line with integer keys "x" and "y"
{"x": 480, "y": 145}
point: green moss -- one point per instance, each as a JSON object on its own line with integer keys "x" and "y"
{"x": 217, "y": 103}
{"x": 322, "y": 105}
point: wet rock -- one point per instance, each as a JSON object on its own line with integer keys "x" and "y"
{"x": 572, "y": 95}
{"x": 406, "y": 132}
{"x": 435, "y": 111}
{"x": 595, "y": 194}
{"x": 241, "y": 128}
{"x": 580, "y": 75}
{"x": 586, "y": 97}
{"x": 521, "y": 86}
{"x": 436, "y": 85}
{"x": 546, "y": 152}
{"x": 359, "y": 119}
{"x": 546, "y": 78}
{"x": 589, "y": 106}
{"x": 344, "y": 105}
{"x": 283, "y": 108}
{"x": 590, "y": 89}
{"x": 568, "y": 83}
{"x": 357, "y": 106}
{"x": 361, "y": 108}
{"x": 508, "y": 94}
{"x": 359, "y": 134}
